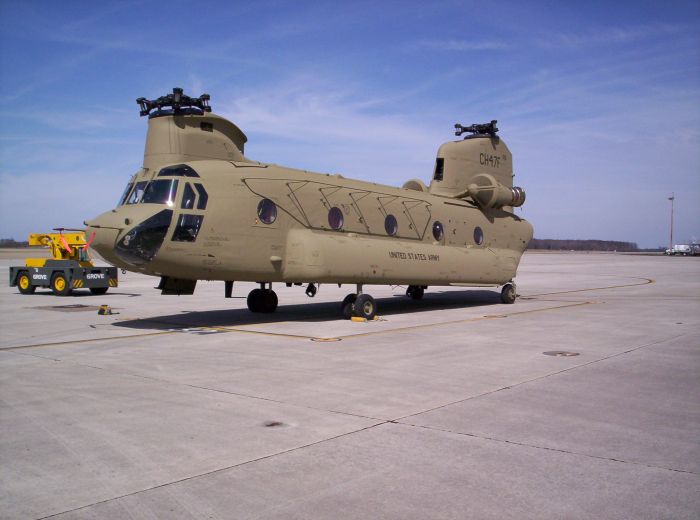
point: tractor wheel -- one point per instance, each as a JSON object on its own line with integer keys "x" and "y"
{"x": 59, "y": 285}
{"x": 24, "y": 283}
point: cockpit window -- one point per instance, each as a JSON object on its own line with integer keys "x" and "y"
{"x": 179, "y": 170}
{"x": 160, "y": 192}
{"x": 137, "y": 193}
{"x": 187, "y": 197}
{"x": 122, "y": 199}
{"x": 203, "y": 197}
{"x": 187, "y": 228}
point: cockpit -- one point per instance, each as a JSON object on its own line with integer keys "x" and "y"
{"x": 164, "y": 191}
{"x": 175, "y": 188}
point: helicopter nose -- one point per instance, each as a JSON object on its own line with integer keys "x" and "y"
{"x": 142, "y": 242}
{"x": 129, "y": 238}
{"x": 102, "y": 233}
{"x": 110, "y": 220}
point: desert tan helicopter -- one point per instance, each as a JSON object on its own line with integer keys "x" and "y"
{"x": 200, "y": 210}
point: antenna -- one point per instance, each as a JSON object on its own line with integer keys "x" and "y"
{"x": 477, "y": 129}
{"x": 177, "y": 101}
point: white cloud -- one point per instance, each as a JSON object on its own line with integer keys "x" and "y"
{"x": 333, "y": 123}
{"x": 606, "y": 36}
{"x": 461, "y": 45}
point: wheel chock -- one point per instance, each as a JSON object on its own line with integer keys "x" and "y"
{"x": 104, "y": 310}
{"x": 364, "y": 320}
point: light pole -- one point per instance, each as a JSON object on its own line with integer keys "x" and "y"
{"x": 670, "y": 243}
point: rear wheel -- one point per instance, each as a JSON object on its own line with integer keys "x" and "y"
{"x": 24, "y": 283}
{"x": 347, "y": 306}
{"x": 59, "y": 285}
{"x": 415, "y": 291}
{"x": 98, "y": 290}
{"x": 365, "y": 307}
{"x": 508, "y": 293}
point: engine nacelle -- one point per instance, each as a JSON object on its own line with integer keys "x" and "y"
{"x": 487, "y": 192}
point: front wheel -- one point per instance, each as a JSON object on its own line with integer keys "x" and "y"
{"x": 269, "y": 301}
{"x": 254, "y": 300}
{"x": 24, "y": 283}
{"x": 59, "y": 285}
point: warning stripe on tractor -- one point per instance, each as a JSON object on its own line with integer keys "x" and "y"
{"x": 112, "y": 282}
{"x": 77, "y": 284}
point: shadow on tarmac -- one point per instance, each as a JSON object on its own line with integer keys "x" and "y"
{"x": 314, "y": 312}
{"x": 79, "y": 293}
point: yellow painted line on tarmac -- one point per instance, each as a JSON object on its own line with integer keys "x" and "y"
{"x": 89, "y": 340}
{"x": 300, "y": 336}
{"x": 646, "y": 281}
{"x": 259, "y": 332}
{"x": 469, "y": 320}
{"x": 178, "y": 329}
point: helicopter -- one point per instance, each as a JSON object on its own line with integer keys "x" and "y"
{"x": 199, "y": 209}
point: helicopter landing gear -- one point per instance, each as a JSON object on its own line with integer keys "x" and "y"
{"x": 365, "y": 307}
{"x": 347, "y": 307}
{"x": 262, "y": 300}
{"x": 416, "y": 291}
{"x": 359, "y": 305}
{"x": 508, "y": 293}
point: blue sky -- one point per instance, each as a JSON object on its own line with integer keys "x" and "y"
{"x": 598, "y": 101}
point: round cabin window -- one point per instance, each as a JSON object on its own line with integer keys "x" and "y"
{"x": 390, "y": 225}
{"x": 335, "y": 218}
{"x": 267, "y": 211}
{"x": 478, "y": 236}
{"x": 438, "y": 231}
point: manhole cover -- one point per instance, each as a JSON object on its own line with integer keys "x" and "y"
{"x": 560, "y": 353}
{"x": 325, "y": 340}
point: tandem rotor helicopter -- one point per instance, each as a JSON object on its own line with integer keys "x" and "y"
{"x": 199, "y": 209}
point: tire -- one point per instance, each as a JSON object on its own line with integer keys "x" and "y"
{"x": 415, "y": 291}
{"x": 98, "y": 290}
{"x": 346, "y": 307}
{"x": 268, "y": 301}
{"x": 255, "y": 300}
{"x": 365, "y": 307}
{"x": 508, "y": 294}
{"x": 24, "y": 283}
{"x": 60, "y": 285}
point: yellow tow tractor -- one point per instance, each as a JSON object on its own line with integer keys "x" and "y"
{"x": 70, "y": 267}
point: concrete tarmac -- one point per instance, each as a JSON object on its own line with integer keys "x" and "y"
{"x": 192, "y": 407}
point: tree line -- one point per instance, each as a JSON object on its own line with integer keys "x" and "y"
{"x": 11, "y": 242}
{"x": 581, "y": 245}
